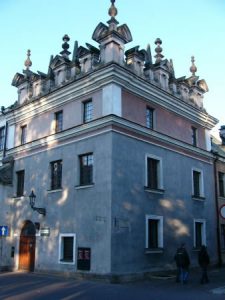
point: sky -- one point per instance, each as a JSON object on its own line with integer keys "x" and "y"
{"x": 186, "y": 28}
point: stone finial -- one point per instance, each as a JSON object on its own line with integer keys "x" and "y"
{"x": 158, "y": 50}
{"x": 112, "y": 10}
{"x": 193, "y": 68}
{"x": 28, "y": 62}
{"x": 65, "y": 53}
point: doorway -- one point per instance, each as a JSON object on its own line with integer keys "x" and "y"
{"x": 27, "y": 247}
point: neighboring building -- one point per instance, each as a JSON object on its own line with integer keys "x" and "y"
{"x": 218, "y": 149}
{"x": 117, "y": 151}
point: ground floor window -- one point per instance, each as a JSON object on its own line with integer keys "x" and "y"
{"x": 154, "y": 232}
{"x": 199, "y": 233}
{"x": 67, "y": 244}
{"x": 223, "y": 236}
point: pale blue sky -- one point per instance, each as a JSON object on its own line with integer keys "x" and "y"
{"x": 194, "y": 27}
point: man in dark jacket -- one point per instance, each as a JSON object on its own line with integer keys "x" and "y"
{"x": 182, "y": 261}
{"x": 203, "y": 260}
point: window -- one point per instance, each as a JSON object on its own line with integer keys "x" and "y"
{"x": 154, "y": 172}
{"x": 56, "y": 175}
{"x": 23, "y": 134}
{"x": 221, "y": 184}
{"x": 149, "y": 117}
{"x": 222, "y": 236}
{"x": 86, "y": 169}
{"x": 199, "y": 233}
{"x": 20, "y": 183}
{"x": 154, "y": 232}
{"x": 194, "y": 136}
{"x": 88, "y": 111}
{"x": 58, "y": 121}
{"x": 67, "y": 248}
{"x": 2, "y": 137}
{"x": 197, "y": 184}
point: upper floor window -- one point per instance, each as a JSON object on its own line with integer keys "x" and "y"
{"x": 86, "y": 169}
{"x": 149, "y": 117}
{"x": 2, "y": 137}
{"x": 88, "y": 111}
{"x": 194, "y": 136}
{"x": 23, "y": 134}
{"x": 199, "y": 233}
{"x": 59, "y": 121}
{"x": 154, "y": 172}
{"x": 56, "y": 175}
{"x": 197, "y": 184}
{"x": 20, "y": 183}
{"x": 221, "y": 184}
{"x": 154, "y": 232}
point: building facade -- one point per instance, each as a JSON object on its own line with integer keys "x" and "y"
{"x": 117, "y": 151}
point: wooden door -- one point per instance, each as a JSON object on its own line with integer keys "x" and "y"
{"x": 27, "y": 249}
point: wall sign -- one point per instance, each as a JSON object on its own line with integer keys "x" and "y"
{"x": 222, "y": 211}
{"x": 45, "y": 231}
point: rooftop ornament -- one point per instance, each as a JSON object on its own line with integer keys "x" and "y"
{"x": 112, "y": 10}
{"x": 158, "y": 51}
{"x": 28, "y": 62}
{"x": 193, "y": 68}
{"x": 65, "y": 53}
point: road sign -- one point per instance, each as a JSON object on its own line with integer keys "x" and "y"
{"x": 222, "y": 211}
{"x": 4, "y": 230}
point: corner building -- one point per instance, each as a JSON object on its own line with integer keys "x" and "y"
{"x": 116, "y": 150}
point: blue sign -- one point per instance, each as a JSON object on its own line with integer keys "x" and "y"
{"x": 4, "y": 230}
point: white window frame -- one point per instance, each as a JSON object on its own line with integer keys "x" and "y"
{"x": 160, "y": 230}
{"x": 202, "y": 194}
{"x": 203, "y": 231}
{"x": 61, "y": 236}
{"x": 159, "y": 170}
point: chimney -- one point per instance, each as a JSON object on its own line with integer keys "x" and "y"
{"x": 222, "y": 134}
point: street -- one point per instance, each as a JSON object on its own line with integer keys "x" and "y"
{"x": 24, "y": 286}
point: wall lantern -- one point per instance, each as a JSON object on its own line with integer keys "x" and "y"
{"x": 40, "y": 210}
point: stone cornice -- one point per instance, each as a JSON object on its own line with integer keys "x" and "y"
{"x": 90, "y": 82}
{"x": 108, "y": 124}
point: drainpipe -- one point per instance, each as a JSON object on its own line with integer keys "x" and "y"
{"x": 217, "y": 213}
{"x": 5, "y": 141}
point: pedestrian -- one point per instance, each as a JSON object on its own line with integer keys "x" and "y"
{"x": 182, "y": 261}
{"x": 204, "y": 260}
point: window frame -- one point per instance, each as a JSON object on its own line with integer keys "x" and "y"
{"x": 200, "y": 194}
{"x": 159, "y": 172}
{"x": 20, "y": 177}
{"x": 221, "y": 183}
{"x": 160, "y": 239}
{"x": 194, "y": 136}
{"x": 203, "y": 233}
{"x": 2, "y": 137}
{"x": 58, "y": 121}
{"x": 87, "y": 112}
{"x": 23, "y": 136}
{"x": 56, "y": 186}
{"x": 61, "y": 259}
{"x": 222, "y": 236}
{"x": 150, "y": 117}
{"x": 82, "y": 180}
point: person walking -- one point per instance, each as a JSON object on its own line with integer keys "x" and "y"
{"x": 204, "y": 260}
{"x": 182, "y": 261}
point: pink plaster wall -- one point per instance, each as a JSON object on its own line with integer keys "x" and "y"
{"x": 43, "y": 124}
{"x": 166, "y": 122}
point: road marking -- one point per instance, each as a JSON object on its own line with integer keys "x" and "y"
{"x": 219, "y": 291}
